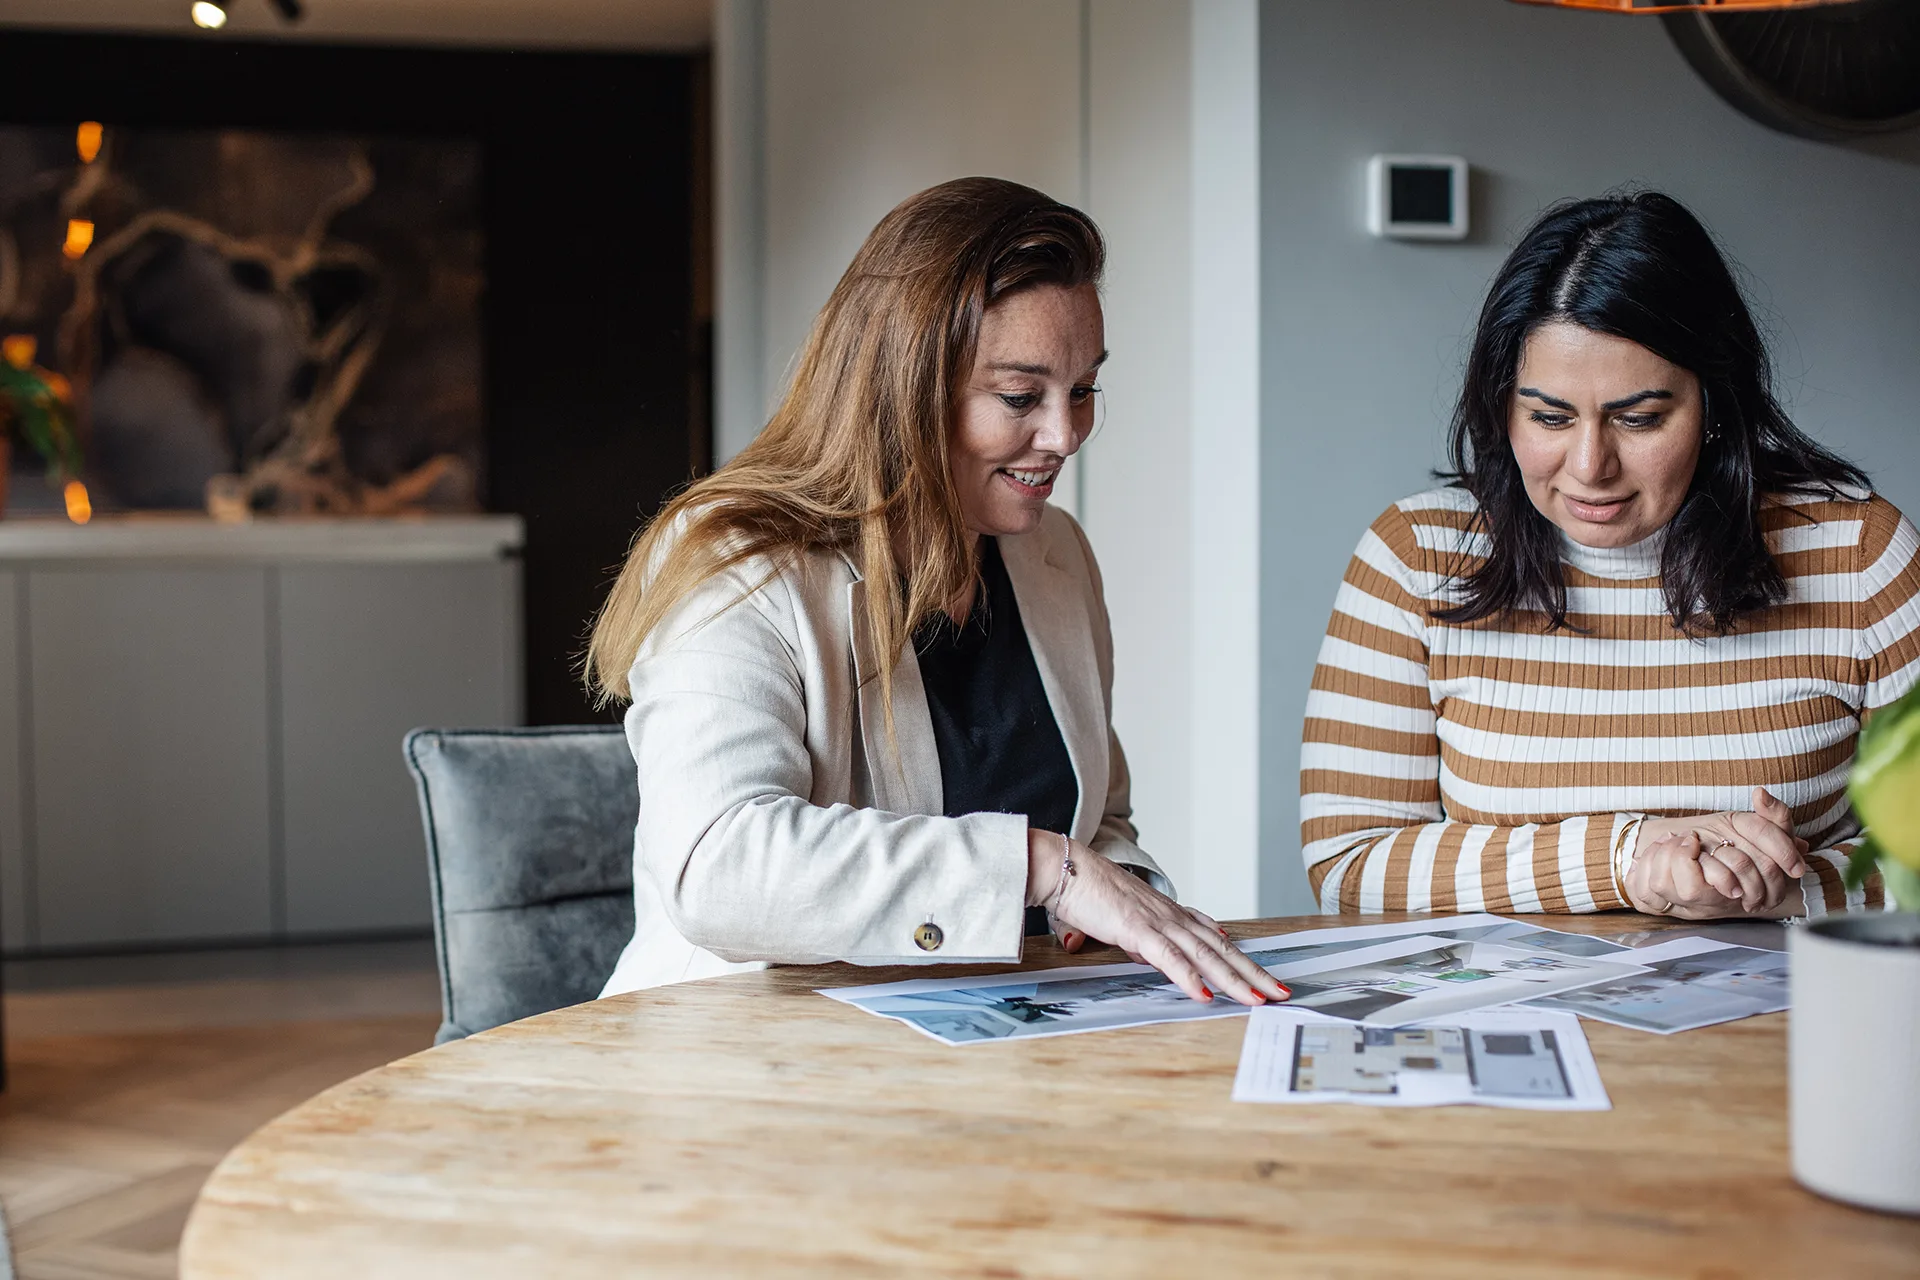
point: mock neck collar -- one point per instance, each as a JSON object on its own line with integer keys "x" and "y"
{"x": 1635, "y": 560}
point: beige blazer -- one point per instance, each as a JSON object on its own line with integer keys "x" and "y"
{"x": 777, "y": 824}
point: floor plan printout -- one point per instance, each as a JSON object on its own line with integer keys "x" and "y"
{"x": 1532, "y": 1059}
{"x": 1053, "y": 1002}
{"x": 1688, "y": 983}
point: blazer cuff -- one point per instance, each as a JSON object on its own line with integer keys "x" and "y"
{"x": 967, "y": 917}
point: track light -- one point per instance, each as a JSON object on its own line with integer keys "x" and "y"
{"x": 212, "y": 14}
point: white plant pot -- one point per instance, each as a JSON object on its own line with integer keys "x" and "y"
{"x": 1853, "y": 1059}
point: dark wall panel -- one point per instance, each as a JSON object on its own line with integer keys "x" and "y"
{"x": 593, "y": 374}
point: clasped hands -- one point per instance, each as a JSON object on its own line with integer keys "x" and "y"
{"x": 1713, "y": 865}
{"x": 1102, "y": 900}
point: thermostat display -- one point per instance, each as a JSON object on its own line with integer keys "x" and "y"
{"x": 1417, "y": 197}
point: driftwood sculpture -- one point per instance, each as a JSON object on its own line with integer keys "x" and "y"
{"x": 256, "y": 335}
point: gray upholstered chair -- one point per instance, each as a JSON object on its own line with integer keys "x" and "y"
{"x": 530, "y": 855}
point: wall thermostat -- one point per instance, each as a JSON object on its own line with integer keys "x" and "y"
{"x": 1417, "y": 197}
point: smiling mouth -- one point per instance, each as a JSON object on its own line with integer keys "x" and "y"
{"x": 1037, "y": 481}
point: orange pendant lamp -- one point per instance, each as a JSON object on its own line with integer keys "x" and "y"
{"x": 1684, "y": 6}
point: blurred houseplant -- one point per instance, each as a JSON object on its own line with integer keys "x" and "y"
{"x": 37, "y": 404}
{"x": 1854, "y": 1036}
{"x": 1885, "y": 790}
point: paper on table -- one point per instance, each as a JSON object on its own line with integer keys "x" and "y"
{"x": 1412, "y": 979}
{"x": 1532, "y": 1059}
{"x": 1689, "y": 983}
{"x": 1066, "y": 1001}
{"x": 1049, "y": 1002}
{"x": 1286, "y": 948}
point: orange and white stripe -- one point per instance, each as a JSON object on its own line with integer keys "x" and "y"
{"x": 1493, "y": 765}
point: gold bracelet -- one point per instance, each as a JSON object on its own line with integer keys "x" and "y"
{"x": 1625, "y": 846}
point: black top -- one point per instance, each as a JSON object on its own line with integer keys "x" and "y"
{"x": 1000, "y": 747}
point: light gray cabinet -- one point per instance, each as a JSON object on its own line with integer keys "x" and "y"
{"x": 368, "y": 652}
{"x": 149, "y": 746}
{"x": 200, "y": 740}
{"x": 13, "y": 777}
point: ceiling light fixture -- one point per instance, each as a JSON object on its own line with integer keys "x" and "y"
{"x": 212, "y": 14}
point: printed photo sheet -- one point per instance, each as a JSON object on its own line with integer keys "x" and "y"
{"x": 1051, "y": 1002}
{"x": 1525, "y": 1058}
{"x": 1688, "y": 983}
{"x": 1425, "y": 976}
{"x": 1067, "y": 1001}
{"x": 1287, "y": 948}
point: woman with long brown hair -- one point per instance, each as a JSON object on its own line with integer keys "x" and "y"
{"x": 869, "y": 667}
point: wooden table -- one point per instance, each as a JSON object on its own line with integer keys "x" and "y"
{"x": 744, "y": 1126}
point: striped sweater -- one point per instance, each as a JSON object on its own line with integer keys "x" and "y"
{"x": 1492, "y": 765}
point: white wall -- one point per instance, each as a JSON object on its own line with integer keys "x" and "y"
{"x": 1224, "y": 613}
{"x": 857, "y": 104}
{"x": 1363, "y": 338}
{"x": 1137, "y": 504}
{"x": 862, "y": 103}
{"x": 869, "y": 101}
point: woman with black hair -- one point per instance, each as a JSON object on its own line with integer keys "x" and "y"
{"x": 1623, "y": 657}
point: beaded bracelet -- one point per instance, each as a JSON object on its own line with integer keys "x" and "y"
{"x": 1067, "y": 870}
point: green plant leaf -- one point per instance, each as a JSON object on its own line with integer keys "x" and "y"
{"x": 1861, "y": 863}
{"x": 1903, "y": 884}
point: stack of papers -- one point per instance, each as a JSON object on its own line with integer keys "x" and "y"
{"x": 1375, "y": 975}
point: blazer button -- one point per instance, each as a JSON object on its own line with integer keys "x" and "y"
{"x": 928, "y": 937}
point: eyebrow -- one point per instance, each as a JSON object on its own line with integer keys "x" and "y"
{"x": 1038, "y": 370}
{"x": 1608, "y": 407}
{"x": 1628, "y": 401}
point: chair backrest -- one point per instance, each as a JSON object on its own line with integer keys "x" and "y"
{"x": 530, "y": 855}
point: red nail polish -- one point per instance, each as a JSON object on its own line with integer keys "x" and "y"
{"x": 1286, "y": 993}
{"x": 1208, "y": 994}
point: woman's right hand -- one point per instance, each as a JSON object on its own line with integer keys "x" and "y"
{"x": 1104, "y": 901}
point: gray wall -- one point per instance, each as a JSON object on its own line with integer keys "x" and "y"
{"x": 1363, "y": 338}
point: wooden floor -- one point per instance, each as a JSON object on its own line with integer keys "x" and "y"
{"x": 122, "y": 1096}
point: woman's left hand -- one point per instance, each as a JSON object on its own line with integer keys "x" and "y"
{"x": 1104, "y": 900}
